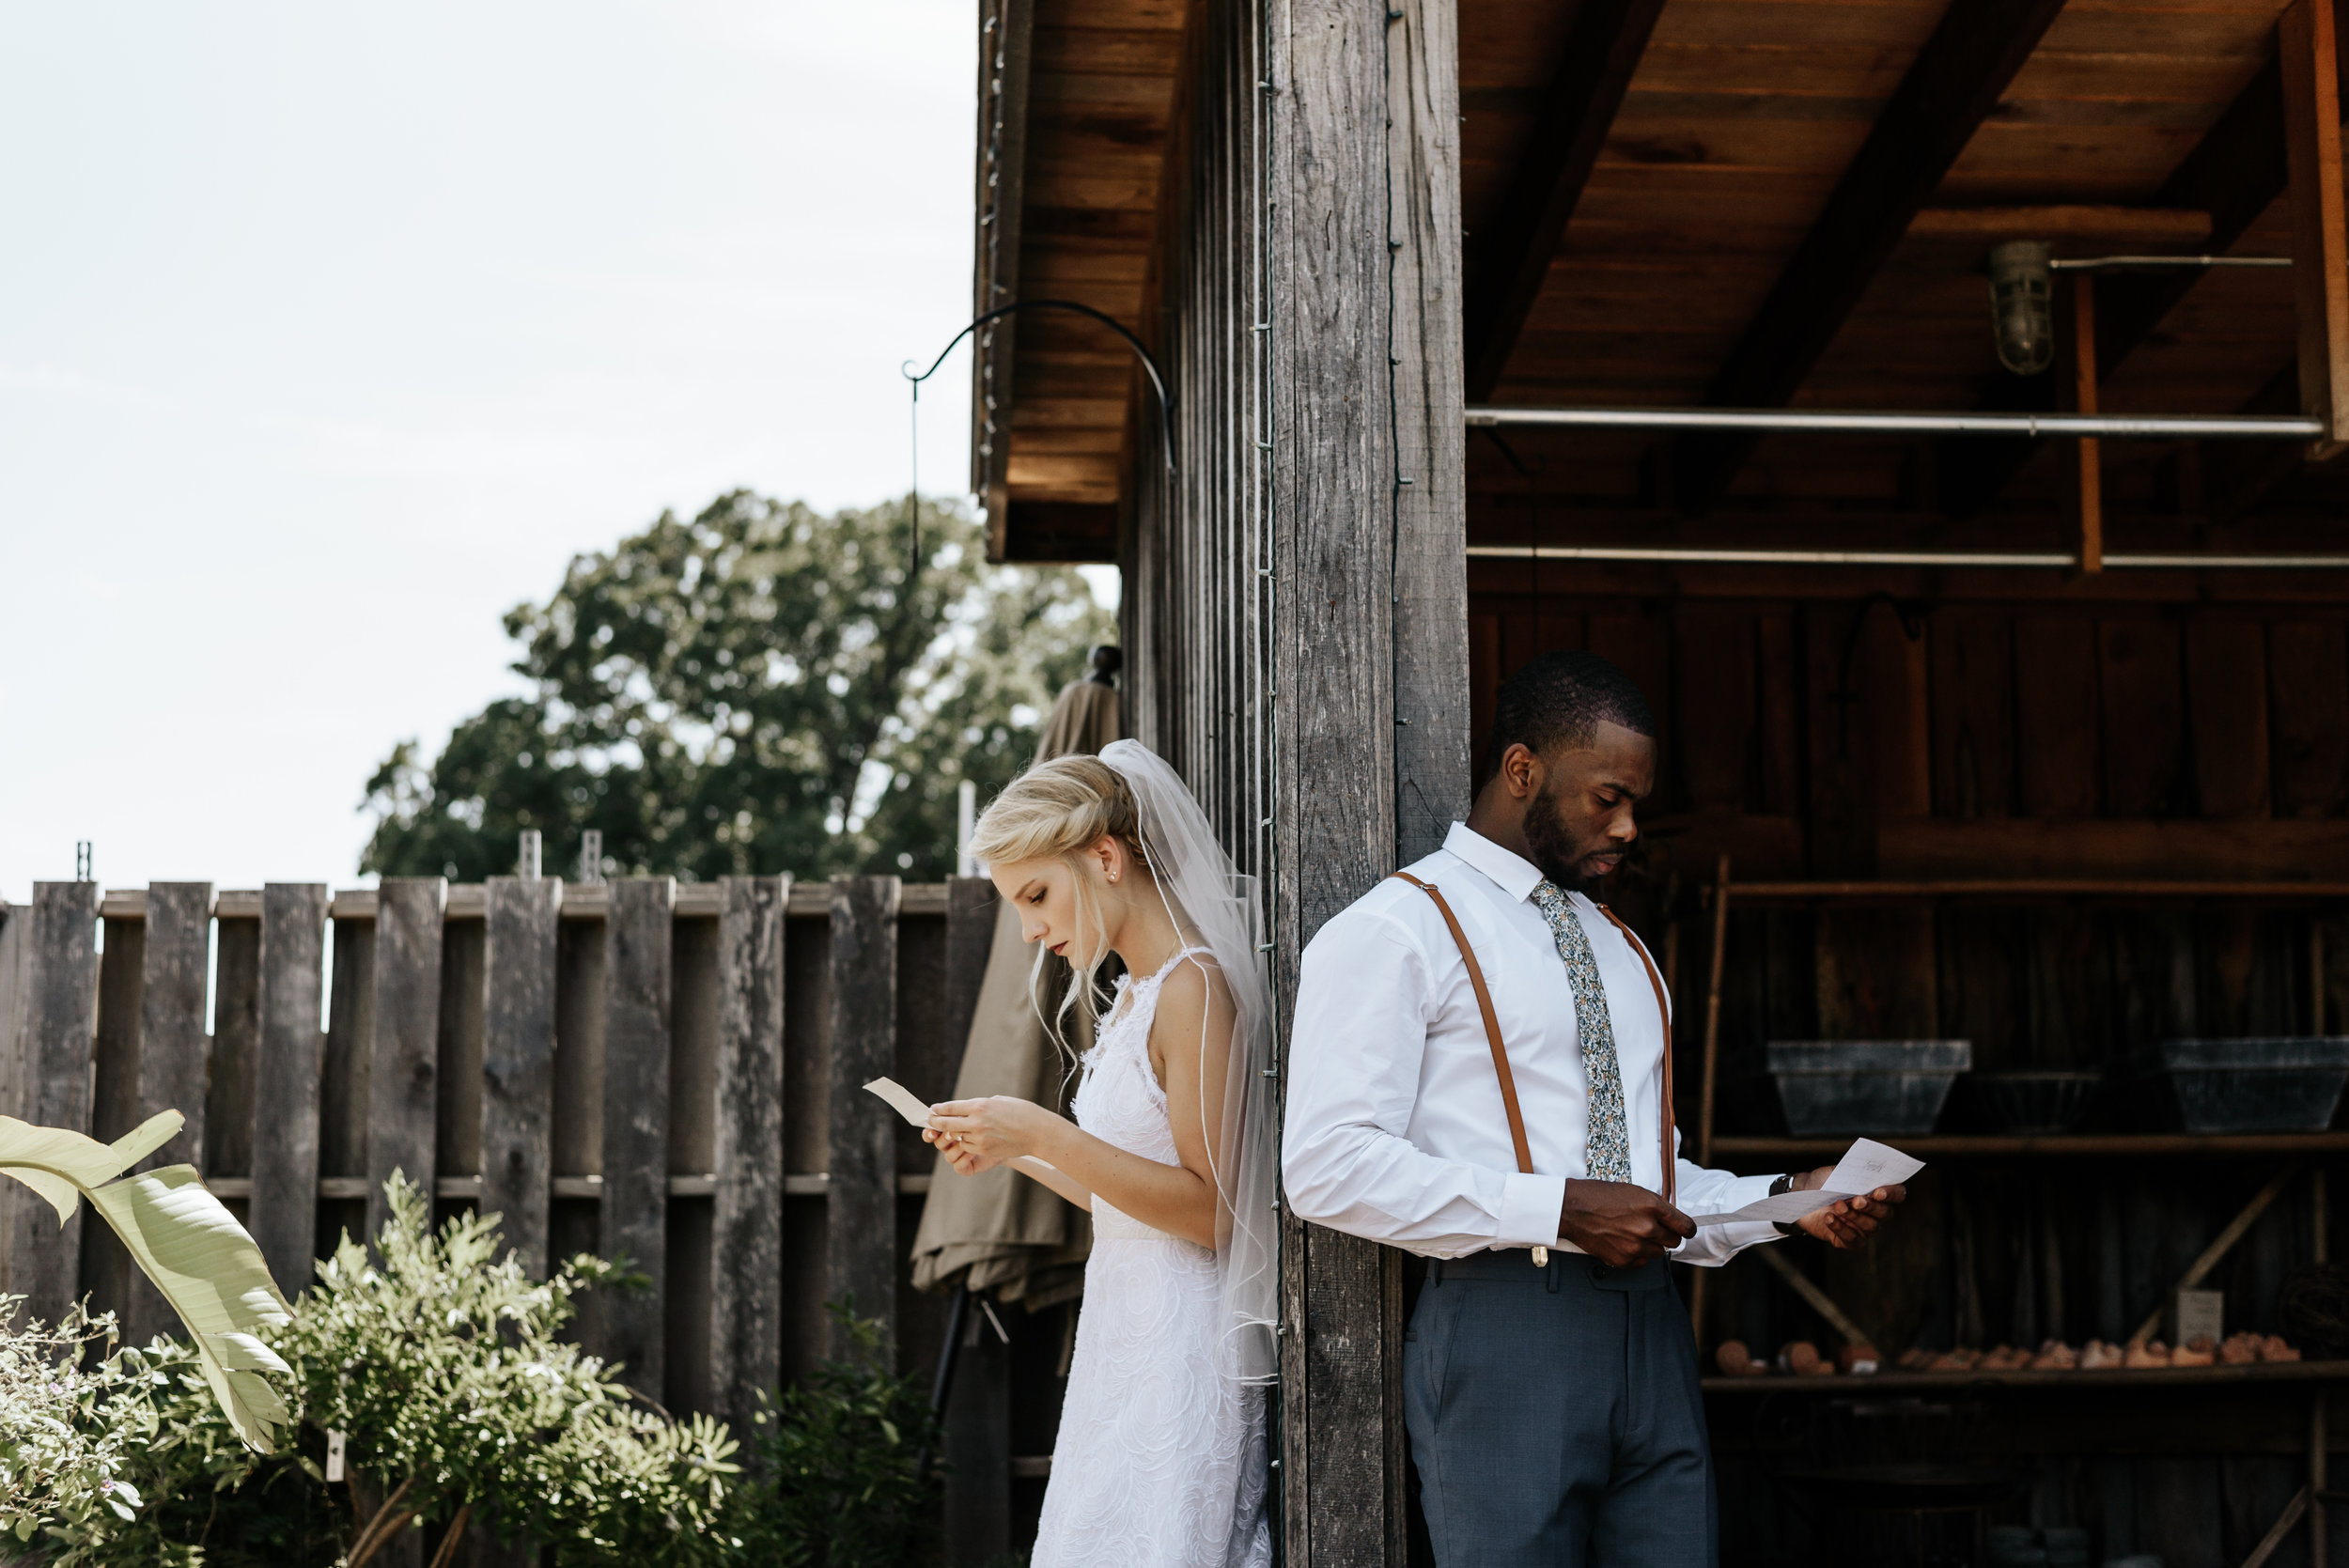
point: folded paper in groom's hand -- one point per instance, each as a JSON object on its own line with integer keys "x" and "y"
{"x": 1865, "y": 1166}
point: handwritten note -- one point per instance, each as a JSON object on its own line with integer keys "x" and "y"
{"x": 1865, "y": 1166}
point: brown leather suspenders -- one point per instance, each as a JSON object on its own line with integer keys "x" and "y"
{"x": 1501, "y": 1054}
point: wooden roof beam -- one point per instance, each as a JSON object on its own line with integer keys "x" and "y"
{"x": 1512, "y": 258}
{"x": 1950, "y": 89}
{"x": 2234, "y": 173}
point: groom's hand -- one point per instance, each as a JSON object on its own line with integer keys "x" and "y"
{"x": 1620, "y": 1225}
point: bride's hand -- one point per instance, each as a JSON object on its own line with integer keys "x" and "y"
{"x": 960, "y": 1156}
{"x": 991, "y": 1130}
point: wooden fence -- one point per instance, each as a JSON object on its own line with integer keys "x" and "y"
{"x": 668, "y": 1071}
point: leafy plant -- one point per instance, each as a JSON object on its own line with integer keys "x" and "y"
{"x": 182, "y": 1239}
{"x": 757, "y": 690}
{"x": 443, "y": 1367}
{"x": 843, "y": 1461}
{"x": 59, "y": 1452}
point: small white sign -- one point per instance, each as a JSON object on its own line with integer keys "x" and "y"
{"x": 333, "y": 1456}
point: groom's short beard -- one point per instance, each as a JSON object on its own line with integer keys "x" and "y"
{"x": 1558, "y": 856}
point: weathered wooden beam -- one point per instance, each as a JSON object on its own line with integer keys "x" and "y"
{"x": 1513, "y": 255}
{"x": 403, "y": 1072}
{"x": 60, "y": 1020}
{"x": 1950, "y": 89}
{"x": 2088, "y": 477}
{"x": 860, "y": 1224}
{"x": 518, "y": 973}
{"x": 287, "y": 1074}
{"x": 2234, "y": 173}
{"x": 636, "y": 1124}
{"x": 2308, "y": 54}
{"x": 1005, "y": 57}
{"x": 746, "y": 1252}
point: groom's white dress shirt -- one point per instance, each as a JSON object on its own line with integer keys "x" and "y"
{"x": 1394, "y": 1128}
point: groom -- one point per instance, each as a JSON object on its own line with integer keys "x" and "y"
{"x": 1552, "y": 1405}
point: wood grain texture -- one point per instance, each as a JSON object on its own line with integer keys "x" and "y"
{"x": 60, "y": 1019}
{"x": 286, "y": 1099}
{"x": 520, "y": 927}
{"x": 860, "y": 1218}
{"x": 1514, "y": 258}
{"x": 636, "y": 1124}
{"x": 2308, "y": 678}
{"x": 171, "y": 1056}
{"x": 1952, "y": 87}
{"x": 236, "y": 1044}
{"x": 2055, "y": 713}
{"x": 2308, "y": 53}
{"x": 106, "y": 1272}
{"x": 2141, "y": 687}
{"x": 2226, "y": 678}
{"x": 746, "y": 1259}
{"x": 403, "y": 1072}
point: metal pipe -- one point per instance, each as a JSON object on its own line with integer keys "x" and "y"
{"x": 2159, "y": 427}
{"x": 2051, "y": 560}
{"x": 2105, "y": 263}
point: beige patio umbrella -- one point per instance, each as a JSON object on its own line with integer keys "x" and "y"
{"x": 998, "y": 1230}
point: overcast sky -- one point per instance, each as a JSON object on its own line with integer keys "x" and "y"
{"x": 328, "y": 332}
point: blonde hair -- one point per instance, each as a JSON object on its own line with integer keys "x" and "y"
{"x": 1058, "y": 810}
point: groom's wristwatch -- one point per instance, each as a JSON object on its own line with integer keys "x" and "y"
{"x": 1784, "y": 1183}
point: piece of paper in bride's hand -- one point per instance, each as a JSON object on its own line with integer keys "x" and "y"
{"x": 1865, "y": 1166}
{"x": 900, "y": 1101}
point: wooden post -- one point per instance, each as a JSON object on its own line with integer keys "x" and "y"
{"x": 60, "y": 1019}
{"x": 287, "y": 1071}
{"x": 860, "y": 1208}
{"x": 746, "y": 1251}
{"x": 1369, "y": 643}
{"x": 2088, "y": 458}
{"x": 2307, "y": 48}
{"x": 517, "y": 960}
{"x": 403, "y": 1076}
{"x": 636, "y": 1121}
{"x": 1710, "y": 1072}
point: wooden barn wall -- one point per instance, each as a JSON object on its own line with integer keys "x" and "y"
{"x": 504, "y": 1044}
{"x": 1295, "y": 592}
{"x": 1819, "y": 727}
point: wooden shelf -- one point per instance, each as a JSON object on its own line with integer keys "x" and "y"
{"x": 2098, "y": 887}
{"x": 2065, "y": 1145}
{"x": 2143, "y": 1377}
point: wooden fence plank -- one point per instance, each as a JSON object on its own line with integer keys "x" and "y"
{"x": 861, "y": 1217}
{"x": 456, "y": 1075}
{"x": 173, "y": 1057}
{"x": 696, "y": 1011}
{"x": 289, "y": 1065}
{"x": 746, "y": 1269}
{"x": 517, "y": 968}
{"x": 106, "y": 1271}
{"x": 236, "y": 1043}
{"x": 403, "y": 1103}
{"x": 636, "y": 1121}
{"x": 60, "y": 1022}
{"x": 977, "y": 1442}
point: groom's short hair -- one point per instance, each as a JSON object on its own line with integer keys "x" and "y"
{"x": 1561, "y": 699}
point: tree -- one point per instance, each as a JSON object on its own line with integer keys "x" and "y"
{"x": 753, "y": 692}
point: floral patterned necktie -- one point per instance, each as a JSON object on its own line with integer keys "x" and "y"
{"x": 1608, "y": 1152}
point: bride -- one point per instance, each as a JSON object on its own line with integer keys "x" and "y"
{"x": 1161, "y": 1461}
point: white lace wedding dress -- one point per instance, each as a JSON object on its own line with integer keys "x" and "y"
{"x": 1161, "y": 1459}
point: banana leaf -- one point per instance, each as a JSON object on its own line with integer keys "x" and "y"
{"x": 182, "y": 1239}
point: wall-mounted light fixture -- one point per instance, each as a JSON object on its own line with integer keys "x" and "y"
{"x": 2022, "y": 305}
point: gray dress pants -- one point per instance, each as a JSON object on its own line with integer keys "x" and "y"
{"x": 1555, "y": 1417}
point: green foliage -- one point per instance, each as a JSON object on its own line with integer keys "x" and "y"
{"x": 443, "y": 1367}
{"x": 755, "y": 690}
{"x": 844, "y": 1482}
{"x": 62, "y": 1453}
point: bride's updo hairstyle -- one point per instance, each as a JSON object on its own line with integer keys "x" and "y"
{"x": 1058, "y": 810}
